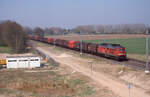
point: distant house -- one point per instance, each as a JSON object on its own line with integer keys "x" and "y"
{"x": 22, "y": 61}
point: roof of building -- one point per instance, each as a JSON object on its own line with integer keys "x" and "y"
{"x": 20, "y": 56}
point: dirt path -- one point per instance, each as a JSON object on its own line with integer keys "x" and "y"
{"x": 118, "y": 87}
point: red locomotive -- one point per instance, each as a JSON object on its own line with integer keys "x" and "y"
{"x": 109, "y": 50}
{"x": 112, "y": 50}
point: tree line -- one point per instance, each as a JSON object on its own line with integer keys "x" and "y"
{"x": 47, "y": 31}
{"x": 90, "y": 29}
{"x": 13, "y": 36}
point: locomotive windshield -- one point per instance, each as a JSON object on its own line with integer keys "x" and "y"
{"x": 121, "y": 49}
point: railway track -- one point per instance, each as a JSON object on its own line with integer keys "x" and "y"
{"x": 133, "y": 63}
{"x": 136, "y": 63}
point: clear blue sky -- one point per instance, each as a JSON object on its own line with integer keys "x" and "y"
{"x": 70, "y": 13}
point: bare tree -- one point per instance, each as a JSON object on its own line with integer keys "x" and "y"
{"x": 111, "y": 29}
{"x": 14, "y": 36}
{"x": 1, "y": 36}
{"x": 1, "y": 41}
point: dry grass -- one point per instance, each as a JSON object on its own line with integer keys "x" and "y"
{"x": 41, "y": 83}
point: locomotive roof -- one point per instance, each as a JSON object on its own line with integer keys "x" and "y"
{"x": 109, "y": 45}
{"x": 73, "y": 41}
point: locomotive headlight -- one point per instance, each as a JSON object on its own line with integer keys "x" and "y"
{"x": 120, "y": 54}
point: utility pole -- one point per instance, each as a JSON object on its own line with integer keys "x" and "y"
{"x": 80, "y": 44}
{"x": 95, "y": 28}
{"x": 129, "y": 88}
{"x": 91, "y": 65}
{"x": 147, "y": 62}
{"x": 104, "y": 35}
{"x": 54, "y": 43}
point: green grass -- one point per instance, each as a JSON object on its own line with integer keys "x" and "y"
{"x": 132, "y": 45}
{"x": 5, "y": 49}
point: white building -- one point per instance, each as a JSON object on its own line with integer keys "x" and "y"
{"x": 23, "y": 61}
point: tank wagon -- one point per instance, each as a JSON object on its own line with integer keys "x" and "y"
{"x": 115, "y": 51}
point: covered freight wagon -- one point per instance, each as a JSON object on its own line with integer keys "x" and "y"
{"x": 92, "y": 48}
{"x": 85, "y": 46}
{"x": 71, "y": 44}
{"x": 22, "y": 61}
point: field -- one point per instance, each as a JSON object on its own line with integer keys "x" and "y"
{"x": 98, "y": 37}
{"x": 132, "y": 45}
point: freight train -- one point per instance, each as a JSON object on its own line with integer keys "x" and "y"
{"x": 108, "y": 50}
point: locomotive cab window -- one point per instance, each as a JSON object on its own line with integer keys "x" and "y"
{"x": 123, "y": 49}
{"x": 119, "y": 49}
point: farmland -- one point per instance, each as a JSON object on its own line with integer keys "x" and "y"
{"x": 98, "y": 37}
